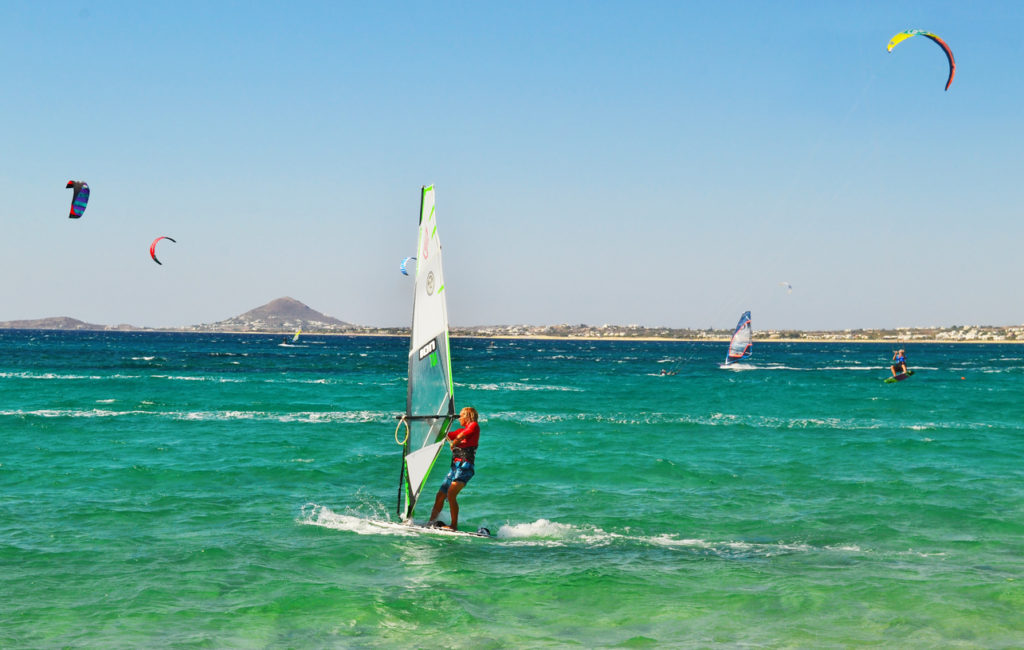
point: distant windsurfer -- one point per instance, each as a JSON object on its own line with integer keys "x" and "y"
{"x": 463, "y": 442}
{"x": 899, "y": 362}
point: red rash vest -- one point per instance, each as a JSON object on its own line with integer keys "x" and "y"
{"x": 472, "y": 438}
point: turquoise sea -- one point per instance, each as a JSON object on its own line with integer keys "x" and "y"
{"x": 210, "y": 490}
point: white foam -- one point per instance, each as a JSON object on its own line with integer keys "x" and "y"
{"x": 539, "y": 528}
{"x": 547, "y": 533}
{"x": 221, "y": 380}
{"x": 316, "y": 515}
{"x": 44, "y": 375}
{"x": 738, "y": 366}
{"x": 311, "y": 417}
{"x": 72, "y": 413}
{"x": 513, "y": 386}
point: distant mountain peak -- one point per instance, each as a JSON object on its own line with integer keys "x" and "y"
{"x": 285, "y": 314}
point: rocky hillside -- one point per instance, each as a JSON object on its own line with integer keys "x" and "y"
{"x": 52, "y": 323}
{"x": 284, "y": 314}
{"x": 281, "y": 315}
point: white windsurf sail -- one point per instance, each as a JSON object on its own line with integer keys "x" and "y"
{"x": 742, "y": 340}
{"x": 430, "y": 406}
{"x": 296, "y": 337}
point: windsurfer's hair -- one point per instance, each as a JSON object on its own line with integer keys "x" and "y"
{"x": 471, "y": 412}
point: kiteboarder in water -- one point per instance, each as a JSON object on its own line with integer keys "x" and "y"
{"x": 463, "y": 442}
{"x": 899, "y": 362}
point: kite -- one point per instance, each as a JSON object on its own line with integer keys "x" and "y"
{"x": 902, "y": 36}
{"x": 79, "y": 199}
{"x": 405, "y": 271}
{"x": 152, "y": 249}
{"x": 789, "y": 287}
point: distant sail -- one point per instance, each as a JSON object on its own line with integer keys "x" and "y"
{"x": 296, "y": 337}
{"x": 430, "y": 405}
{"x": 742, "y": 340}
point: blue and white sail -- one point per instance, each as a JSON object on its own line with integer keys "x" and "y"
{"x": 742, "y": 340}
{"x": 430, "y": 405}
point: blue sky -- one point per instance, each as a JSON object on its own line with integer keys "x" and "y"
{"x": 664, "y": 164}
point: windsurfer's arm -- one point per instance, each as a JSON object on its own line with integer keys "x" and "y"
{"x": 454, "y": 437}
{"x": 459, "y": 435}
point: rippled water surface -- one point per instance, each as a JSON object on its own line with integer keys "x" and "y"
{"x": 229, "y": 491}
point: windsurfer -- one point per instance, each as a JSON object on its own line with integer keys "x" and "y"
{"x": 899, "y": 362}
{"x": 463, "y": 442}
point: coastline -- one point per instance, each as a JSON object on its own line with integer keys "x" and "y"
{"x": 456, "y": 334}
{"x": 283, "y": 316}
{"x": 653, "y": 339}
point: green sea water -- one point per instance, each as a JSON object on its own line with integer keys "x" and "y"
{"x": 201, "y": 490}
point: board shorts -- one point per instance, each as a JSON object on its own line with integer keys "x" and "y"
{"x": 461, "y": 471}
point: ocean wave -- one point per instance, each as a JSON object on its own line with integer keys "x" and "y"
{"x": 542, "y": 528}
{"x": 376, "y": 523}
{"x": 720, "y": 419}
{"x": 47, "y": 376}
{"x": 70, "y": 413}
{"x": 219, "y": 380}
{"x": 308, "y": 417}
{"x": 548, "y": 533}
{"x": 247, "y": 380}
{"x": 736, "y": 367}
{"x": 512, "y": 386}
{"x": 551, "y": 534}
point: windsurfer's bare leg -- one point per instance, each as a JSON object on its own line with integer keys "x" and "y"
{"x": 438, "y": 504}
{"x": 453, "y": 504}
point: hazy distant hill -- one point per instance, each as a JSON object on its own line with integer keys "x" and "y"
{"x": 52, "y": 323}
{"x": 283, "y": 314}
